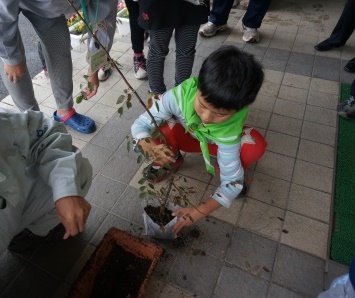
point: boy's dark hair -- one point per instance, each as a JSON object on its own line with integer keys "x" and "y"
{"x": 230, "y": 78}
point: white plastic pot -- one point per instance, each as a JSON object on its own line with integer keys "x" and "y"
{"x": 154, "y": 230}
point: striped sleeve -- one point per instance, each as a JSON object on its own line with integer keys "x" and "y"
{"x": 232, "y": 174}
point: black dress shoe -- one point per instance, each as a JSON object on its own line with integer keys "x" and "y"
{"x": 350, "y": 66}
{"x": 325, "y": 46}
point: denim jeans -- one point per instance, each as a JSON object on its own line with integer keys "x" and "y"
{"x": 253, "y": 17}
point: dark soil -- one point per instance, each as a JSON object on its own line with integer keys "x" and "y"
{"x": 121, "y": 275}
{"x": 160, "y": 217}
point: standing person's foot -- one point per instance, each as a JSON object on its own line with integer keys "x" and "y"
{"x": 140, "y": 67}
{"x": 76, "y": 121}
{"x": 209, "y": 29}
{"x": 104, "y": 72}
{"x": 325, "y": 46}
{"x": 250, "y": 35}
{"x": 346, "y": 108}
{"x": 350, "y": 66}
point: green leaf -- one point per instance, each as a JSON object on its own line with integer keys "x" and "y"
{"x": 120, "y": 111}
{"x": 128, "y": 145}
{"x": 128, "y": 104}
{"x": 142, "y": 188}
{"x": 90, "y": 86}
{"x": 157, "y": 105}
{"x": 79, "y": 99}
{"x": 129, "y": 96}
{"x": 151, "y": 185}
{"x": 86, "y": 77}
{"x": 120, "y": 99}
{"x": 152, "y": 193}
{"x": 141, "y": 181}
{"x": 142, "y": 195}
{"x": 139, "y": 159}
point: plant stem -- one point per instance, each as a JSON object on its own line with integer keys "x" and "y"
{"x": 113, "y": 64}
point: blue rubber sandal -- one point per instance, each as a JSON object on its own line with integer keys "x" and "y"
{"x": 76, "y": 121}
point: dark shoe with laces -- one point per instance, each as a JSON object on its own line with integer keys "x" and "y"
{"x": 350, "y": 66}
{"x": 156, "y": 173}
{"x": 326, "y": 46}
{"x": 140, "y": 67}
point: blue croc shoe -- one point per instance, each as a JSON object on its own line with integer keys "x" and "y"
{"x": 76, "y": 121}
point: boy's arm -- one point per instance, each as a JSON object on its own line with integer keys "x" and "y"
{"x": 188, "y": 216}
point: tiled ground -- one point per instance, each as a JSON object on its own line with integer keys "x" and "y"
{"x": 275, "y": 242}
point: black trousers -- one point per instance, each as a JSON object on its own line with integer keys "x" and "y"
{"x": 345, "y": 26}
{"x": 137, "y": 33}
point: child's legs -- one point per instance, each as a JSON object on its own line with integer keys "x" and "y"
{"x": 185, "y": 38}
{"x": 159, "y": 48}
{"x": 178, "y": 139}
{"x": 253, "y": 146}
{"x": 137, "y": 32}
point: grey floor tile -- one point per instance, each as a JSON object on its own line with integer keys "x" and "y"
{"x": 326, "y": 73}
{"x": 116, "y": 164}
{"x": 299, "y": 68}
{"x": 346, "y": 77}
{"x": 321, "y": 115}
{"x": 274, "y": 64}
{"x": 214, "y": 237}
{"x": 10, "y": 265}
{"x": 327, "y": 62}
{"x": 97, "y": 156}
{"x": 32, "y": 283}
{"x": 235, "y": 282}
{"x": 301, "y": 58}
{"x": 286, "y": 125}
{"x": 277, "y": 54}
{"x": 129, "y": 206}
{"x": 276, "y": 165}
{"x": 313, "y": 176}
{"x": 105, "y": 192}
{"x": 281, "y": 143}
{"x": 252, "y": 253}
{"x": 95, "y": 219}
{"x": 316, "y": 153}
{"x": 299, "y": 271}
{"x": 189, "y": 272}
{"x": 255, "y": 50}
{"x": 276, "y": 291}
{"x": 320, "y": 133}
{"x": 268, "y": 189}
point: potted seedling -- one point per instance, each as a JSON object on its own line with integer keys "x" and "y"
{"x": 160, "y": 200}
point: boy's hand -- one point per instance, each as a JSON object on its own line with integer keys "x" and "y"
{"x": 186, "y": 217}
{"x": 160, "y": 153}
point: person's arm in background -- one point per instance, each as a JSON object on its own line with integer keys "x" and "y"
{"x": 10, "y": 44}
{"x": 106, "y": 27}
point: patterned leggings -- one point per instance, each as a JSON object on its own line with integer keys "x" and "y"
{"x": 185, "y": 39}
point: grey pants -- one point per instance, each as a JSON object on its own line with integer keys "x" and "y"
{"x": 55, "y": 40}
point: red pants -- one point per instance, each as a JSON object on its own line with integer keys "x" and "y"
{"x": 252, "y": 148}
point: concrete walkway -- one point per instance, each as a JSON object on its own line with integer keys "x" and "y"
{"x": 275, "y": 242}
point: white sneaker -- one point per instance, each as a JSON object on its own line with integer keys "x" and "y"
{"x": 210, "y": 29}
{"x": 250, "y": 35}
{"x": 104, "y": 72}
